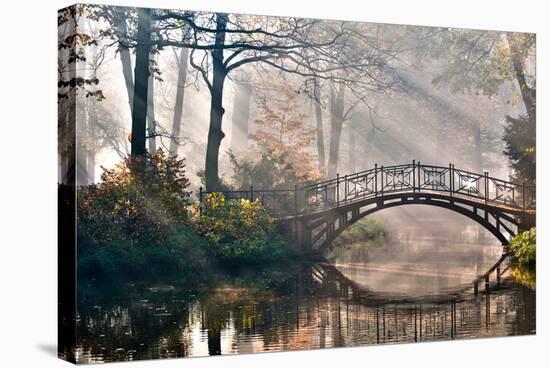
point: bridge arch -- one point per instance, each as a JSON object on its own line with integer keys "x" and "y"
{"x": 502, "y": 235}
{"x": 316, "y": 232}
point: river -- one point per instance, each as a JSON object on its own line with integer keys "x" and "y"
{"x": 416, "y": 289}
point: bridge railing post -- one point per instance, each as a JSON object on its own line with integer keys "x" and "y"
{"x": 414, "y": 176}
{"x": 486, "y": 187}
{"x": 523, "y": 194}
{"x": 418, "y": 176}
{"x": 376, "y": 180}
{"x": 451, "y": 180}
{"x": 345, "y": 188}
{"x": 382, "y": 180}
{"x": 337, "y": 189}
{"x": 454, "y": 172}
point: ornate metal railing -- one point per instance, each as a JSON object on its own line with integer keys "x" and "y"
{"x": 383, "y": 180}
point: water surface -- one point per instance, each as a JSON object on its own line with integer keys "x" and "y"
{"x": 414, "y": 290}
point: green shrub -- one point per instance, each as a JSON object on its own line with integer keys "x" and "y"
{"x": 182, "y": 253}
{"x": 277, "y": 170}
{"x": 239, "y": 231}
{"x": 135, "y": 201}
{"x": 524, "y": 275}
{"x": 524, "y": 248}
{"x": 363, "y": 231}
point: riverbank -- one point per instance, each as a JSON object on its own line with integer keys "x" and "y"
{"x": 186, "y": 255}
{"x": 196, "y": 253}
{"x": 142, "y": 222}
{"x": 358, "y": 240}
{"x": 524, "y": 264}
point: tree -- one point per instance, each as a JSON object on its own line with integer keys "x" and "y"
{"x": 215, "y": 133}
{"x": 367, "y": 72}
{"x": 73, "y": 83}
{"x": 520, "y": 143}
{"x": 482, "y": 62}
{"x": 289, "y": 44}
{"x": 119, "y": 18}
{"x": 283, "y": 135}
{"x": 141, "y": 77}
{"x": 151, "y": 123}
{"x": 281, "y": 140}
{"x": 178, "y": 103}
{"x": 320, "y": 137}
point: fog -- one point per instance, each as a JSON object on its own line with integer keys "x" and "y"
{"x": 428, "y": 251}
{"x": 402, "y": 113}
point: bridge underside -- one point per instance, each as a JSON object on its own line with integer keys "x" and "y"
{"x": 314, "y": 232}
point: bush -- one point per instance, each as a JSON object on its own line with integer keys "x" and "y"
{"x": 272, "y": 170}
{"x": 136, "y": 201}
{"x": 524, "y": 247}
{"x": 239, "y": 231}
{"x": 524, "y": 276}
{"x": 362, "y": 231}
{"x": 182, "y": 253}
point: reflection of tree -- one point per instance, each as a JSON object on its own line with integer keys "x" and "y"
{"x": 140, "y": 326}
{"x": 278, "y": 310}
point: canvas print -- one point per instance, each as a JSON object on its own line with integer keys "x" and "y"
{"x": 237, "y": 183}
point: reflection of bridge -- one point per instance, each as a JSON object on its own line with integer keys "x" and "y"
{"x": 313, "y": 215}
{"x": 450, "y": 312}
{"x": 327, "y": 273}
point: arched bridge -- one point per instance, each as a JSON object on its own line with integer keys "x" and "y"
{"x": 313, "y": 215}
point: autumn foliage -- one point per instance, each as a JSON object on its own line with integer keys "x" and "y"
{"x": 135, "y": 201}
{"x": 239, "y": 231}
{"x": 282, "y": 138}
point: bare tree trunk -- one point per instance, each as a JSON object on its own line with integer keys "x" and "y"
{"x": 215, "y": 133}
{"x": 336, "y": 123}
{"x": 319, "y": 130}
{"x": 141, "y": 76}
{"x": 151, "y": 124}
{"x": 178, "y": 104}
{"x": 126, "y": 61}
{"x": 241, "y": 115}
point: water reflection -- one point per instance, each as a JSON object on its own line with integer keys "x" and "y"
{"x": 299, "y": 306}
{"x": 415, "y": 268}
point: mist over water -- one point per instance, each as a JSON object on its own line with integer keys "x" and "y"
{"x": 429, "y": 251}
